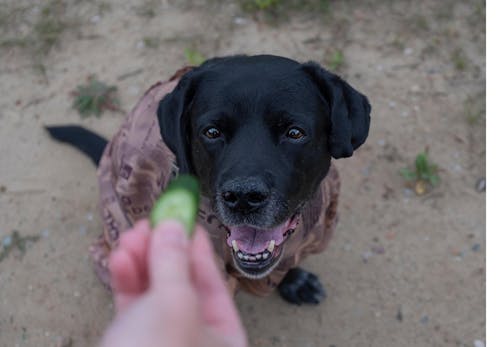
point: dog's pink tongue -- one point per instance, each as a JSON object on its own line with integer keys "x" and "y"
{"x": 251, "y": 240}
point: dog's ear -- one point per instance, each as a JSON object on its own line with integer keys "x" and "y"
{"x": 173, "y": 120}
{"x": 349, "y": 111}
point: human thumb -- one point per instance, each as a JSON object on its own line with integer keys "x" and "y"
{"x": 169, "y": 257}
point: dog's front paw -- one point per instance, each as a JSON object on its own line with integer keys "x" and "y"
{"x": 300, "y": 286}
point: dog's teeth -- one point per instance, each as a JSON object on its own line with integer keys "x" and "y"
{"x": 265, "y": 255}
{"x": 240, "y": 255}
{"x": 251, "y": 258}
{"x": 258, "y": 256}
{"x": 235, "y": 246}
{"x": 270, "y": 248}
{"x": 245, "y": 257}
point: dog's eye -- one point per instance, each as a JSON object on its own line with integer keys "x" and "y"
{"x": 295, "y": 133}
{"x": 212, "y": 133}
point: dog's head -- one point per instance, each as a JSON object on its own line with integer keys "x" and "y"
{"x": 259, "y": 132}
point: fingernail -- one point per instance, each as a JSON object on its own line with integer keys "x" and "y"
{"x": 172, "y": 234}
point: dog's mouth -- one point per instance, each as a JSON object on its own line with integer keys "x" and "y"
{"x": 256, "y": 252}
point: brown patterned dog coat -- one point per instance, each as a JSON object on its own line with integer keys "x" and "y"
{"x": 136, "y": 167}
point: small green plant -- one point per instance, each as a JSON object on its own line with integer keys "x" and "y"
{"x": 147, "y": 9}
{"x": 398, "y": 43}
{"x": 336, "y": 60}
{"x": 421, "y": 23}
{"x": 14, "y": 240}
{"x": 475, "y": 108}
{"x": 258, "y": 5}
{"x": 49, "y": 27}
{"x": 151, "y": 42}
{"x": 44, "y": 33}
{"x": 459, "y": 60}
{"x": 423, "y": 175}
{"x": 276, "y": 12}
{"x": 265, "y": 4}
{"x": 103, "y": 7}
{"x": 194, "y": 57}
{"x": 14, "y": 42}
{"x": 94, "y": 98}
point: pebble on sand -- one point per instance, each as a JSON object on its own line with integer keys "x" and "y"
{"x": 408, "y": 193}
{"x": 240, "y": 21}
{"x": 408, "y": 51}
{"x": 83, "y": 230}
{"x": 64, "y": 341}
{"x": 378, "y": 249}
{"x": 481, "y": 185}
{"x": 366, "y": 256}
{"x": 399, "y": 315}
{"x": 7, "y": 241}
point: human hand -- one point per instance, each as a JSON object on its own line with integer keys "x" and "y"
{"x": 168, "y": 291}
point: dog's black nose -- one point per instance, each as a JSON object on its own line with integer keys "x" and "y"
{"x": 245, "y": 195}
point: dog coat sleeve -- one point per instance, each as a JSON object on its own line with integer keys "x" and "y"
{"x": 133, "y": 171}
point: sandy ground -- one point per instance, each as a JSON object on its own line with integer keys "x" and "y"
{"x": 402, "y": 270}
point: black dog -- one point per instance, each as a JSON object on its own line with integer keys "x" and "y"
{"x": 259, "y": 132}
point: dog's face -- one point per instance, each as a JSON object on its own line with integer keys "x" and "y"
{"x": 259, "y": 132}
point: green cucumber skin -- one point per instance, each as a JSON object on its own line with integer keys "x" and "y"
{"x": 180, "y": 202}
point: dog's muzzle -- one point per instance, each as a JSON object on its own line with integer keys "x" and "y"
{"x": 256, "y": 252}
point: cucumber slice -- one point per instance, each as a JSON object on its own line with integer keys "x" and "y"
{"x": 180, "y": 202}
